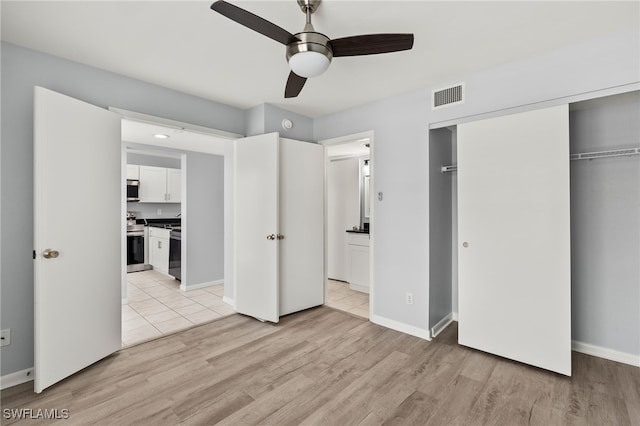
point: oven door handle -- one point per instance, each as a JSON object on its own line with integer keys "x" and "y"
{"x": 135, "y": 234}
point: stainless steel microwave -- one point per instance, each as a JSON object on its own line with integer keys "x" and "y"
{"x": 133, "y": 190}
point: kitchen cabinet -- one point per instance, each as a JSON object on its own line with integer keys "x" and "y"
{"x": 133, "y": 172}
{"x": 358, "y": 261}
{"x": 159, "y": 249}
{"x": 160, "y": 185}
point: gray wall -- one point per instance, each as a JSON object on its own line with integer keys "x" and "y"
{"x": 150, "y": 210}
{"x": 401, "y": 253}
{"x": 440, "y": 226}
{"x": 205, "y": 218}
{"x": 605, "y": 224}
{"x": 21, "y": 70}
{"x": 267, "y": 118}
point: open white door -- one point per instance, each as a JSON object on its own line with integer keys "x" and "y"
{"x": 256, "y": 198}
{"x": 77, "y": 217}
{"x": 514, "y": 237}
{"x": 302, "y": 263}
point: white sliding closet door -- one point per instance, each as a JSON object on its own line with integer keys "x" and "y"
{"x": 513, "y": 236}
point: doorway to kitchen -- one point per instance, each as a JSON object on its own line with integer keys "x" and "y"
{"x": 180, "y": 209}
{"x": 349, "y": 223}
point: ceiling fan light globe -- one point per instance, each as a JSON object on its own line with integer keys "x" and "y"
{"x": 309, "y": 64}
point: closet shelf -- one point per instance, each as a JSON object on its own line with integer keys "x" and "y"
{"x": 572, "y": 157}
{"x": 605, "y": 154}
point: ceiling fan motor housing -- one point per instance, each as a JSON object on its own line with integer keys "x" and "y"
{"x": 306, "y": 42}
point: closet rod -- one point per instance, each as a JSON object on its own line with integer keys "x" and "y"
{"x": 573, "y": 157}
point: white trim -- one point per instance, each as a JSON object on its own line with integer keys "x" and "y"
{"x": 201, "y": 285}
{"x": 454, "y": 316}
{"x": 151, "y": 119}
{"x": 537, "y": 105}
{"x": 441, "y": 325}
{"x": 605, "y": 353}
{"x": 229, "y": 301}
{"x": 17, "y": 378}
{"x": 125, "y": 301}
{"x": 369, "y": 134}
{"x": 401, "y": 327}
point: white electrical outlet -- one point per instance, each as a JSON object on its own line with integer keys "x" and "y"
{"x": 409, "y": 299}
{"x": 5, "y": 337}
{"x": 159, "y": 212}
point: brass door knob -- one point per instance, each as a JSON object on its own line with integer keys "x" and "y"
{"x": 465, "y": 244}
{"x": 50, "y": 254}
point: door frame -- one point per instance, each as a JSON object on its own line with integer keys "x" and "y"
{"x": 217, "y": 149}
{"x": 342, "y": 140}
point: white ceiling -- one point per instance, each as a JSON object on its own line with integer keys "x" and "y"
{"x": 185, "y": 46}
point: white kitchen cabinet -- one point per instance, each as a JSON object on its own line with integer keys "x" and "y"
{"x": 133, "y": 172}
{"x": 159, "y": 249}
{"x": 358, "y": 261}
{"x": 174, "y": 185}
{"x": 160, "y": 185}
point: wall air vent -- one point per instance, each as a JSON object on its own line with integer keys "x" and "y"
{"x": 448, "y": 96}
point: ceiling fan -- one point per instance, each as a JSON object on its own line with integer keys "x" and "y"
{"x": 309, "y": 53}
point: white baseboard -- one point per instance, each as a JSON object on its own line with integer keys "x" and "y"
{"x": 229, "y": 301}
{"x": 441, "y": 325}
{"x": 201, "y": 285}
{"x": 605, "y": 353}
{"x": 360, "y": 288}
{"x": 454, "y": 316}
{"x": 17, "y": 378}
{"x": 400, "y": 326}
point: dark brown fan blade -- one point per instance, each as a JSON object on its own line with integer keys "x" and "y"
{"x": 371, "y": 44}
{"x": 295, "y": 83}
{"x": 252, "y": 21}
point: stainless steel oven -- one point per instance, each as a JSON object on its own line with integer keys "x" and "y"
{"x": 135, "y": 248}
{"x": 175, "y": 249}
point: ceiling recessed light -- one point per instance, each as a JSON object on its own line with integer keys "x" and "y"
{"x": 161, "y": 136}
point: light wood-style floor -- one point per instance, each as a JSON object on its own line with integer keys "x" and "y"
{"x": 327, "y": 367}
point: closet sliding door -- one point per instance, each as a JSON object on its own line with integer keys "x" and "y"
{"x": 514, "y": 237}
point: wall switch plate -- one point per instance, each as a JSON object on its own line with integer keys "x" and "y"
{"x": 409, "y": 299}
{"x": 5, "y": 337}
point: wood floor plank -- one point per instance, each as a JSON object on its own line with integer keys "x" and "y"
{"x": 326, "y": 367}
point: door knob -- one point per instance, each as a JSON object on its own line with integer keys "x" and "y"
{"x": 280, "y": 237}
{"x": 50, "y": 254}
{"x": 271, "y": 237}
{"x": 465, "y": 244}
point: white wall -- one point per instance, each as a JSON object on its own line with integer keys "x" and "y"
{"x": 343, "y": 212}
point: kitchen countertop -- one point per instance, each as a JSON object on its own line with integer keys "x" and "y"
{"x": 160, "y": 223}
{"x": 359, "y": 231}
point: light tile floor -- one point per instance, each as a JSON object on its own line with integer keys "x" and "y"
{"x": 340, "y": 296}
{"x": 157, "y": 306}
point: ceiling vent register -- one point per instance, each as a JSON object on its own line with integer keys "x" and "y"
{"x": 448, "y": 96}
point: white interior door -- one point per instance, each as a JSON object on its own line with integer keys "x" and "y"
{"x": 77, "y": 213}
{"x": 302, "y": 262}
{"x": 256, "y": 198}
{"x": 513, "y": 235}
